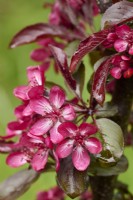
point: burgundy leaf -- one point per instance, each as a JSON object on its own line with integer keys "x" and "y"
{"x": 61, "y": 61}
{"x": 86, "y": 46}
{"x": 36, "y": 31}
{"x": 79, "y": 76}
{"x": 117, "y": 13}
{"x": 99, "y": 81}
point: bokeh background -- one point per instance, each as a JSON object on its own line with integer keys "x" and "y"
{"x": 14, "y": 15}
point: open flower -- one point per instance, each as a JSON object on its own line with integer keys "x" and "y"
{"x": 35, "y": 79}
{"x": 34, "y": 150}
{"x": 53, "y": 112}
{"x": 77, "y": 141}
{"x": 125, "y": 39}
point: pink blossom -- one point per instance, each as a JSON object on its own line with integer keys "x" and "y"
{"x": 53, "y": 194}
{"x": 111, "y": 38}
{"x": 128, "y": 73}
{"x": 34, "y": 150}
{"x": 120, "y": 64}
{"x": 125, "y": 39}
{"x": 44, "y": 54}
{"x": 35, "y": 78}
{"x": 53, "y": 111}
{"x": 77, "y": 141}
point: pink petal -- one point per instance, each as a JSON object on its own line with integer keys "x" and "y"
{"x": 68, "y": 112}
{"x": 45, "y": 66}
{"x": 45, "y": 42}
{"x": 93, "y": 145}
{"x": 80, "y": 158}
{"x": 116, "y": 72}
{"x": 27, "y": 111}
{"x": 35, "y": 139}
{"x": 57, "y": 161}
{"x": 116, "y": 60}
{"x": 125, "y": 57}
{"x": 122, "y": 31}
{"x": 19, "y": 111}
{"x": 39, "y": 55}
{"x": 36, "y": 92}
{"x": 35, "y": 76}
{"x": 57, "y": 96}
{"x": 41, "y": 127}
{"x": 55, "y": 136}
{"x": 87, "y": 129}
{"x": 67, "y": 129}
{"x": 24, "y": 141}
{"x": 131, "y": 50}
{"x": 124, "y": 65}
{"x": 48, "y": 142}
{"x": 41, "y": 106}
{"x": 128, "y": 73}
{"x": 39, "y": 160}
{"x": 16, "y": 159}
{"x": 65, "y": 148}
{"x": 120, "y": 45}
{"x": 21, "y": 92}
{"x": 111, "y": 37}
{"x": 16, "y": 126}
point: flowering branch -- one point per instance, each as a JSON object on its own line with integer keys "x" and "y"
{"x": 69, "y": 135}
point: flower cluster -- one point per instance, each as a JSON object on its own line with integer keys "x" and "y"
{"x": 121, "y": 39}
{"x": 43, "y": 128}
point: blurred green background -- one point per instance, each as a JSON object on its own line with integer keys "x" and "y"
{"x": 14, "y": 15}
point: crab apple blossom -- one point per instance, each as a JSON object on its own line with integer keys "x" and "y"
{"x": 120, "y": 65}
{"x": 125, "y": 39}
{"x": 51, "y": 131}
{"x": 53, "y": 112}
{"x": 78, "y": 142}
{"x": 43, "y": 54}
{"x": 35, "y": 79}
{"x": 33, "y": 150}
{"x": 53, "y": 194}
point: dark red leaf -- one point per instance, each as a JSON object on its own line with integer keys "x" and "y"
{"x": 34, "y": 32}
{"x": 61, "y": 60}
{"x": 99, "y": 81}
{"x": 117, "y": 13}
{"x": 86, "y": 46}
{"x": 79, "y": 76}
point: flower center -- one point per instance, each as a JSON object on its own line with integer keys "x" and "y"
{"x": 79, "y": 139}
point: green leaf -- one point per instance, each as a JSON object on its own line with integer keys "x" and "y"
{"x": 79, "y": 76}
{"x": 50, "y": 84}
{"x": 107, "y": 110}
{"x": 70, "y": 49}
{"x": 112, "y": 138}
{"x": 70, "y": 180}
{"x": 96, "y": 169}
